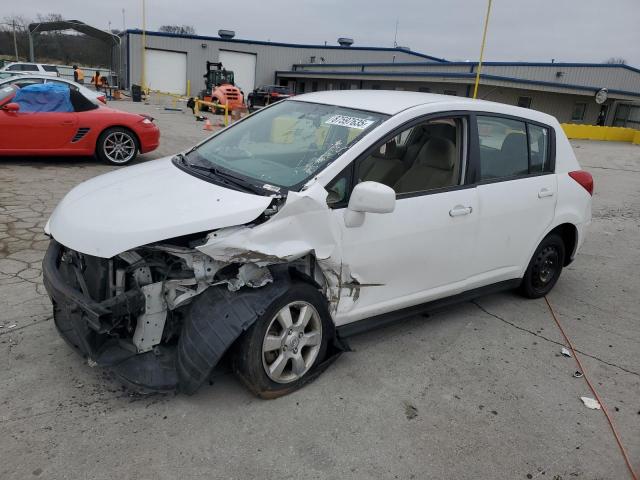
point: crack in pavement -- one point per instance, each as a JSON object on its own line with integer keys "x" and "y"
{"x": 550, "y": 340}
{"x": 611, "y": 168}
{"x": 7, "y": 331}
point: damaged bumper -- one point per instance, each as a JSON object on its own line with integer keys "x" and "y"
{"x": 85, "y": 324}
{"x": 105, "y": 331}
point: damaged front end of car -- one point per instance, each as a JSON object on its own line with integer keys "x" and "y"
{"x": 161, "y": 316}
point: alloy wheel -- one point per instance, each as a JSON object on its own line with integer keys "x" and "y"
{"x": 119, "y": 147}
{"x": 292, "y": 342}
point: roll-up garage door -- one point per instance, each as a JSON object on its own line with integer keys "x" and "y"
{"x": 166, "y": 71}
{"x": 243, "y": 66}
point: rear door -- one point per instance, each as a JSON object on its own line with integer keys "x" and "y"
{"x": 517, "y": 192}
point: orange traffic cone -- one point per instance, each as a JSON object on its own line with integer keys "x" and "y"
{"x": 207, "y": 125}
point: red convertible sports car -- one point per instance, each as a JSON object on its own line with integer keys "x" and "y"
{"x": 49, "y": 119}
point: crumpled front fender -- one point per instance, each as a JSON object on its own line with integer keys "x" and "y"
{"x": 217, "y": 318}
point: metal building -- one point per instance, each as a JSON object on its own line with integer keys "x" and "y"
{"x": 565, "y": 90}
{"x": 176, "y": 63}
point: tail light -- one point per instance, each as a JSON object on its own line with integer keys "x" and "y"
{"x": 103, "y": 99}
{"x": 584, "y": 179}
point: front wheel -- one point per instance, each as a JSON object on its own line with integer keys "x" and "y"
{"x": 282, "y": 349}
{"x": 544, "y": 268}
{"x": 117, "y": 146}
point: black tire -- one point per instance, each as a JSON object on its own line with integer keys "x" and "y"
{"x": 544, "y": 268}
{"x": 248, "y": 358}
{"x": 105, "y": 146}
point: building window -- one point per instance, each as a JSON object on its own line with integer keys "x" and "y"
{"x": 314, "y": 86}
{"x": 524, "y": 102}
{"x": 451, "y": 92}
{"x": 375, "y": 87}
{"x": 579, "y": 109}
{"x": 300, "y": 87}
{"x": 424, "y": 89}
{"x": 312, "y": 59}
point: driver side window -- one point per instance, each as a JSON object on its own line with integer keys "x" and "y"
{"x": 423, "y": 157}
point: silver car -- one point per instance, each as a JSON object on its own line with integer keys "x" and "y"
{"x": 21, "y": 80}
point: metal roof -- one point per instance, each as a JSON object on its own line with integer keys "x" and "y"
{"x": 445, "y": 75}
{"x": 77, "y": 25}
{"x": 475, "y": 64}
{"x": 282, "y": 44}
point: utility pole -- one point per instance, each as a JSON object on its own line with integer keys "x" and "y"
{"x": 144, "y": 46}
{"x": 484, "y": 38}
{"x": 15, "y": 42}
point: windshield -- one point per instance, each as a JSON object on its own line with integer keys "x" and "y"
{"x": 286, "y": 144}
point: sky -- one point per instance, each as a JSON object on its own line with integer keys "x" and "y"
{"x": 519, "y": 30}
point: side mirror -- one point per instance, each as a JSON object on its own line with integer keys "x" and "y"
{"x": 11, "y": 107}
{"x": 369, "y": 197}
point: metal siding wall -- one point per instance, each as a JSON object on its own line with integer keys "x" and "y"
{"x": 610, "y": 77}
{"x": 269, "y": 57}
{"x": 617, "y": 78}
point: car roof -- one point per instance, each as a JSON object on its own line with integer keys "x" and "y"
{"x": 392, "y": 102}
{"x": 44, "y": 77}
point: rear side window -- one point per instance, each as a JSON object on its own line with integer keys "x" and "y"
{"x": 538, "y": 149}
{"x": 512, "y": 148}
{"x": 503, "y": 148}
{"x": 29, "y": 67}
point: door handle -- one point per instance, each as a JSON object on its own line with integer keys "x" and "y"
{"x": 545, "y": 192}
{"x": 460, "y": 210}
{"x": 67, "y": 122}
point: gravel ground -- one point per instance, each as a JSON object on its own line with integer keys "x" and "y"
{"x": 476, "y": 391}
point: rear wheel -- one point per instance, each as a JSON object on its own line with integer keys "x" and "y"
{"x": 544, "y": 268}
{"x": 281, "y": 350}
{"x": 117, "y": 146}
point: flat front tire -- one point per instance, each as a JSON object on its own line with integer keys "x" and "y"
{"x": 544, "y": 268}
{"x": 281, "y": 350}
{"x": 117, "y": 146}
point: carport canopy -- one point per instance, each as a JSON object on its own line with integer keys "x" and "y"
{"x": 77, "y": 25}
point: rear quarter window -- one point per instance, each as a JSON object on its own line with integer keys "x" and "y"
{"x": 511, "y": 148}
{"x": 50, "y": 68}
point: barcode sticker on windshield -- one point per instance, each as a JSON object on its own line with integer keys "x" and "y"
{"x": 349, "y": 122}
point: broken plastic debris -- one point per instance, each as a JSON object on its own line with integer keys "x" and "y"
{"x": 590, "y": 403}
{"x": 565, "y": 352}
{"x": 578, "y": 374}
{"x": 12, "y": 326}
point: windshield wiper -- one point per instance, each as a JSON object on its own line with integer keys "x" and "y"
{"x": 224, "y": 177}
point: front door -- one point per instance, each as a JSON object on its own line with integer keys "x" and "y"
{"x": 39, "y": 131}
{"x": 422, "y": 250}
{"x": 517, "y": 193}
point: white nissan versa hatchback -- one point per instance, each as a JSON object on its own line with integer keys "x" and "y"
{"x": 313, "y": 219}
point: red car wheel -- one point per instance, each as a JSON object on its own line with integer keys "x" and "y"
{"x": 117, "y": 146}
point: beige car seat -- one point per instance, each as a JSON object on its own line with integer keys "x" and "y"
{"x": 433, "y": 168}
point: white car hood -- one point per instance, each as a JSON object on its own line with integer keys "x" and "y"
{"x": 146, "y": 203}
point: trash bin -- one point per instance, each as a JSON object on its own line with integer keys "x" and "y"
{"x": 136, "y": 93}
